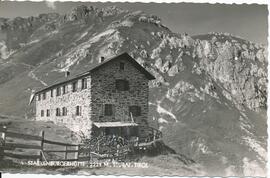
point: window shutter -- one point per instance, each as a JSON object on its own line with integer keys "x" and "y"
{"x": 84, "y": 83}
{"x": 78, "y": 110}
{"x": 108, "y": 109}
{"x": 113, "y": 110}
{"x": 122, "y": 85}
{"x": 135, "y": 110}
{"x": 122, "y": 66}
{"x": 138, "y": 110}
{"x": 126, "y": 85}
{"x": 101, "y": 110}
{"x": 74, "y": 86}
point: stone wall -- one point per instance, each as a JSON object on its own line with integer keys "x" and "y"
{"x": 69, "y": 100}
{"x": 101, "y": 90}
{"x": 104, "y": 92}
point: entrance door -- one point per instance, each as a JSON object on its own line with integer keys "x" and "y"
{"x": 128, "y": 132}
{"x": 112, "y": 131}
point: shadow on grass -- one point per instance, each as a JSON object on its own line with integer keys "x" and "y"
{"x": 160, "y": 148}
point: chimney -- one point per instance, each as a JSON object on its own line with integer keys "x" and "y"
{"x": 67, "y": 74}
{"x": 32, "y": 96}
{"x": 102, "y": 58}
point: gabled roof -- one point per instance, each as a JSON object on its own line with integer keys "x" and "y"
{"x": 126, "y": 56}
{"x": 123, "y": 56}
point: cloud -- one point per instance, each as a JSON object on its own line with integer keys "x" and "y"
{"x": 51, "y": 4}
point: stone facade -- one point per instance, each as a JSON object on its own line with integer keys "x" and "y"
{"x": 101, "y": 90}
{"x": 69, "y": 100}
{"x": 104, "y": 92}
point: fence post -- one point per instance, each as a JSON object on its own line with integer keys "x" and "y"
{"x": 91, "y": 157}
{"x": 66, "y": 152}
{"x": 98, "y": 146}
{"x": 41, "y": 144}
{"x": 77, "y": 153}
{"x": 3, "y": 141}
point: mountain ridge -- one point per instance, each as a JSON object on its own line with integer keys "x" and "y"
{"x": 209, "y": 96}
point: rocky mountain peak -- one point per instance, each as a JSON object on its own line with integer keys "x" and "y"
{"x": 20, "y": 23}
{"x": 112, "y": 11}
{"x": 84, "y": 12}
{"x": 208, "y": 87}
{"x": 81, "y": 12}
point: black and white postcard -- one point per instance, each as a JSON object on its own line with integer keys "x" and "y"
{"x": 121, "y": 88}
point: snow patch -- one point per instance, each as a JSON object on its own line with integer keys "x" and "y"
{"x": 33, "y": 41}
{"x": 162, "y": 110}
{"x": 115, "y": 42}
{"x": 73, "y": 58}
{"x": 203, "y": 148}
{"x": 183, "y": 88}
{"x": 83, "y": 35}
{"x": 127, "y": 23}
{"x": 53, "y": 32}
{"x": 4, "y": 52}
{"x": 33, "y": 76}
{"x": 244, "y": 125}
{"x": 160, "y": 128}
{"x": 255, "y": 146}
{"x": 161, "y": 120}
{"x": 81, "y": 51}
{"x": 99, "y": 36}
{"x": 200, "y": 146}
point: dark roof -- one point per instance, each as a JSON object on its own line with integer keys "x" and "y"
{"x": 123, "y": 56}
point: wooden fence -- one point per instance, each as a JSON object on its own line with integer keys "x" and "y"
{"x": 6, "y": 148}
{"x": 96, "y": 150}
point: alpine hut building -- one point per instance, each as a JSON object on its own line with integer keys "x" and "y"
{"x": 111, "y": 98}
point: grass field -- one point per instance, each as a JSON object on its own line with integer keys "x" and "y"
{"x": 168, "y": 164}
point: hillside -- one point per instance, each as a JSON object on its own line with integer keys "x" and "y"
{"x": 209, "y": 96}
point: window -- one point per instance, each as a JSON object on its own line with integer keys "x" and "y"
{"x": 135, "y": 110}
{"x": 39, "y": 98}
{"x": 44, "y": 95}
{"x": 122, "y": 85}
{"x": 58, "y": 113}
{"x": 48, "y": 113}
{"x": 84, "y": 83}
{"x": 42, "y": 113}
{"x": 78, "y": 110}
{"x": 51, "y": 92}
{"x": 122, "y": 66}
{"x": 58, "y": 91}
{"x": 65, "y": 89}
{"x": 108, "y": 110}
{"x": 74, "y": 86}
{"x": 64, "y": 111}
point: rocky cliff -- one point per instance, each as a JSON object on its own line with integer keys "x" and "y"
{"x": 209, "y": 96}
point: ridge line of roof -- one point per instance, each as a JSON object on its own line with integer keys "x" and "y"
{"x": 88, "y": 72}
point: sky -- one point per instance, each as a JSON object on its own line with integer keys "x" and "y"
{"x": 246, "y": 21}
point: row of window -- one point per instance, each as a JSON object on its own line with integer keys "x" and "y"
{"x": 121, "y": 85}
{"x": 61, "y": 112}
{"x": 109, "y": 110}
{"x": 65, "y": 89}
